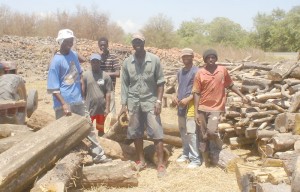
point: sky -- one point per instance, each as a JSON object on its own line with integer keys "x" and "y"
{"x": 131, "y": 15}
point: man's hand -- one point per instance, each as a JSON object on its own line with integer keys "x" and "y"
{"x": 197, "y": 119}
{"x": 245, "y": 99}
{"x": 157, "y": 108}
{"x": 184, "y": 102}
{"x": 106, "y": 112}
{"x": 174, "y": 101}
{"x": 66, "y": 109}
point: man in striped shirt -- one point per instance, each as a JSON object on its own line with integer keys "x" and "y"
{"x": 109, "y": 64}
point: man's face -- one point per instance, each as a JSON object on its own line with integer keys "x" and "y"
{"x": 187, "y": 59}
{"x": 211, "y": 59}
{"x": 95, "y": 64}
{"x": 138, "y": 45}
{"x": 103, "y": 46}
{"x": 67, "y": 44}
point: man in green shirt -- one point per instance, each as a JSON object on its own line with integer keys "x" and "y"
{"x": 142, "y": 87}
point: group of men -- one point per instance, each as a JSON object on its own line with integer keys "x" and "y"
{"x": 200, "y": 97}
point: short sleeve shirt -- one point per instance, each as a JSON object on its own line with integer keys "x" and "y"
{"x": 139, "y": 82}
{"x": 97, "y": 85}
{"x": 110, "y": 63}
{"x": 211, "y": 88}
{"x": 64, "y": 77}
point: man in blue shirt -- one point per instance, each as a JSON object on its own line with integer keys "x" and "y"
{"x": 64, "y": 83}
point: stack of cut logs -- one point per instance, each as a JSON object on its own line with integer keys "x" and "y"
{"x": 270, "y": 123}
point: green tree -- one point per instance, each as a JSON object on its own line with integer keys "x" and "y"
{"x": 159, "y": 32}
{"x": 224, "y": 31}
{"x": 192, "y": 33}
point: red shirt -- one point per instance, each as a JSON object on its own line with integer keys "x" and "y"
{"x": 211, "y": 88}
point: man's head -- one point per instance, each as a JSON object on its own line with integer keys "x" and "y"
{"x": 65, "y": 39}
{"x": 210, "y": 56}
{"x": 103, "y": 44}
{"x": 138, "y": 42}
{"x": 187, "y": 56}
{"x": 95, "y": 60}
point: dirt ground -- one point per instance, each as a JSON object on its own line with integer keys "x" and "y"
{"x": 179, "y": 178}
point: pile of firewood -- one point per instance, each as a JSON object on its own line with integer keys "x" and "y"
{"x": 270, "y": 123}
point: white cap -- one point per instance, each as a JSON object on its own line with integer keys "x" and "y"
{"x": 64, "y": 34}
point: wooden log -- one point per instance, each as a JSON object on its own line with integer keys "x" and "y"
{"x": 263, "y": 120}
{"x": 117, "y": 150}
{"x": 151, "y": 155}
{"x": 265, "y": 133}
{"x": 117, "y": 133}
{"x": 243, "y": 177}
{"x": 223, "y": 126}
{"x": 295, "y": 103}
{"x": 171, "y": 129}
{"x": 295, "y": 73}
{"x": 266, "y": 96}
{"x": 261, "y": 114}
{"x": 269, "y": 106}
{"x": 8, "y": 142}
{"x": 285, "y": 122}
{"x": 58, "y": 178}
{"x": 297, "y": 146}
{"x": 269, "y": 187}
{"x": 228, "y": 160}
{"x": 251, "y": 132}
{"x": 281, "y": 70}
{"x": 270, "y": 150}
{"x": 289, "y": 160}
{"x": 113, "y": 174}
{"x": 278, "y": 176}
{"x": 270, "y": 162}
{"x": 293, "y": 89}
{"x": 25, "y": 161}
{"x": 240, "y": 141}
{"x": 284, "y": 142}
{"x": 296, "y": 128}
{"x": 295, "y": 182}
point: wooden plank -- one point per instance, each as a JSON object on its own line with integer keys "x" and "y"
{"x": 25, "y": 161}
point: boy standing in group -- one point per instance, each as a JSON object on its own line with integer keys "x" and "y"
{"x": 97, "y": 89}
{"x": 109, "y": 64}
{"x": 185, "y": 104}
{"x": 209, "y": 87}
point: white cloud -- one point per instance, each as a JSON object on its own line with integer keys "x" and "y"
{"x": 128, "y": 26}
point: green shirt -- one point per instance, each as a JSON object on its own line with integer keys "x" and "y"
{"x": 139, "y": 82}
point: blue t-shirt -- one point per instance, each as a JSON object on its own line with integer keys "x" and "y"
{"x": 185, "y": 85}
{"x": 64, "y": 76}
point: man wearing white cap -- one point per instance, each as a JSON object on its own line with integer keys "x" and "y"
{"x": 142, "y": 87}
{"x": 64, "y": 83}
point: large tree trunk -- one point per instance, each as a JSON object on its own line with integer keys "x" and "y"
{"x": 58, "y": 178}
{"x": 228, "y": 160}
{"x": 25, "y": 161}
{"x": 8, "y": 142}
{"x": 117, "y": 150}
{"x": 39, "y": 119}
{"x": 114, "y": 174}
{"x": 281, "y": 70}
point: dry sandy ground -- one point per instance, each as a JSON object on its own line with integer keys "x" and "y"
{"x": 179, "y": 178}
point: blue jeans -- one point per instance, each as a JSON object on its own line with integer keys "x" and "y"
{"x": 189, "y": 137}
{"x": 80, "y": 109}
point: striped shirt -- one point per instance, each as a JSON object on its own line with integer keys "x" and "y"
{"x": 110, "y": 63}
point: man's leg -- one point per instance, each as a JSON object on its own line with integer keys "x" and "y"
{"x": 215, "y": 142}
{"x": 135, "y": 132}
{"x": 155, "y": 132}
{"x": 184, "y": 138}
{"x": 96, "y": 149}
{"x": 112, "y": 103}
{"x": 192, "y": 140}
